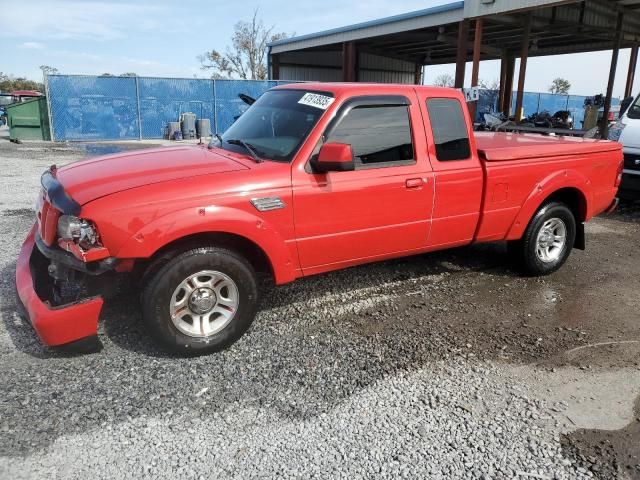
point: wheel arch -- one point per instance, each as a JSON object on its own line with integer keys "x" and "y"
{"x": 248, "y": 249}
{"x": 568, "y": 187}
{"x": 572, "y": 198}
{"x": 238, "y": 230}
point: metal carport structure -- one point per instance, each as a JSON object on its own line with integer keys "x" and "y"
{"x": 394, "y": 49}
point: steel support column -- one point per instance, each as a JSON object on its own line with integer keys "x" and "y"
{"x": 508, "y": 85}
{"x": 524, "y": 56}
{"x": 461, "y": 56}
{"x": 475, "y": 71}
{"x": 348, "y": 62}
{"x": 631, "y": 73}
{"x": 503, "y": 80}
{"x": 417, "y": 74}
{"x": 604, "y": 123}
{"x": 275, "y": 67}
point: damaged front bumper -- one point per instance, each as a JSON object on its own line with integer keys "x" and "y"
{"x": 71, "y": 326}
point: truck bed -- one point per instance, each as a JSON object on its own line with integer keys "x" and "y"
{"x": 522, "y": 169}
{"x": 501, "y": 147}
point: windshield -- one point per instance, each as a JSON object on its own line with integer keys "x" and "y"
{"x": 634, "y": 109}
{"x": 275, "y": 126}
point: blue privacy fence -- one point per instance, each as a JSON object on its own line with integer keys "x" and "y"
{"x": 86, "y": 107}
{"x": 533, "y": 102}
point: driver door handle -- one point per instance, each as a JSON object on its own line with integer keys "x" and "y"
{"x": 414, "y": 183}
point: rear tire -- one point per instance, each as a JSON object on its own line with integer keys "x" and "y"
{"x": 548, "y": 240}
{"x": 201, "y": 301}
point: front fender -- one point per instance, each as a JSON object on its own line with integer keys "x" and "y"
{"x": 542, "y": 190}
{"x": 213, "y": 219}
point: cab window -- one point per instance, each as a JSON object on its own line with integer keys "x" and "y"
{"x": 379, "y": 135}
{"x": 449, "y": 129}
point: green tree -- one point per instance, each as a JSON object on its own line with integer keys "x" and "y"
{"x": 560, "y": 85}
{"x": 9, "y": 83}
{"x": 246, "y": 57}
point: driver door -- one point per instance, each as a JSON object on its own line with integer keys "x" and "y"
{"x": 383, "y": 207}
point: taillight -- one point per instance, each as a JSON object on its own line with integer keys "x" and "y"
{"x": 619, "y": 174}
{"x": 611, "y": 116}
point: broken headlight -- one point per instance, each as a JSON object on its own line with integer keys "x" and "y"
{"x": 81, "y": 231}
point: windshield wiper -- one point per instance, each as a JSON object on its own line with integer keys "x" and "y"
{"x": 247, "y": 146}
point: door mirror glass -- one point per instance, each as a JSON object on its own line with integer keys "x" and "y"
{"x": 334, "y": 157}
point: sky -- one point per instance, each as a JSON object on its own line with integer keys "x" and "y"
{"x": 163, "y": 38}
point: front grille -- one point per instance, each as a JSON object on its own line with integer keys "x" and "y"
{"x": 47, "y": 221}
{"x": 631, "y": 161}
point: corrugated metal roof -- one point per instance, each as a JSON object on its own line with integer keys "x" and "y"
{"x": 430, "y": 36}
{"x": 448, "y": 13}
{"x": 478, "y": 8}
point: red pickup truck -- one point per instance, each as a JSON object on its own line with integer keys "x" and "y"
{"x": 313, "y": 177}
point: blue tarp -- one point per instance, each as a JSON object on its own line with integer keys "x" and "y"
{"x": 121, "y": 108}
{"x": 87, "y": 107}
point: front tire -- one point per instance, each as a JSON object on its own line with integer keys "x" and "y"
{"x": 548, "y": 240}
{"x": 201, "y": 301}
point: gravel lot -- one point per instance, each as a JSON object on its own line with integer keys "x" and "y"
{"x": 446, "y": 365}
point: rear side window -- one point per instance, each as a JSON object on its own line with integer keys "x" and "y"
{"x": 379, "y": 135}
{"x": 449, "y": 129}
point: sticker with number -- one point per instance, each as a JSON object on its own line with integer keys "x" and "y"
{"x": 316, "y": 100}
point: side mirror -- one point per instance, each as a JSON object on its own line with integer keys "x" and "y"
{"x": 334, "y": 157}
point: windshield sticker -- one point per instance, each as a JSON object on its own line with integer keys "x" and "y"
{"x": 316, "y": 100}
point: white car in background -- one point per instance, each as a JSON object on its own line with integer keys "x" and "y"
{"x": 627, "y": 131}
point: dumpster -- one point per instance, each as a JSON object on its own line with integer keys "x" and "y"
{"x": 29, "y": 120}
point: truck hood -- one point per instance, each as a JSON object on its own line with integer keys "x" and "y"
{"x": 89, "y": 180}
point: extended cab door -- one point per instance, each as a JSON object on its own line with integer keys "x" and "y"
{"x": 458, "y": 172}
{"x": 381, "y": 208}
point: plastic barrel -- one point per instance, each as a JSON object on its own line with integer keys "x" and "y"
{"x": 188, "y": 124}
{"x": 203, "y": 127}
{"x": 173, "y": 127}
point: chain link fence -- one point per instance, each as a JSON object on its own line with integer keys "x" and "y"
{"x": 93, "y": 108}
{"x": 84, "y": 107}
{"x": 533, "y": 102}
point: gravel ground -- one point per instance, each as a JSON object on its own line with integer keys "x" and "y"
{"x": 446, "y": 365}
